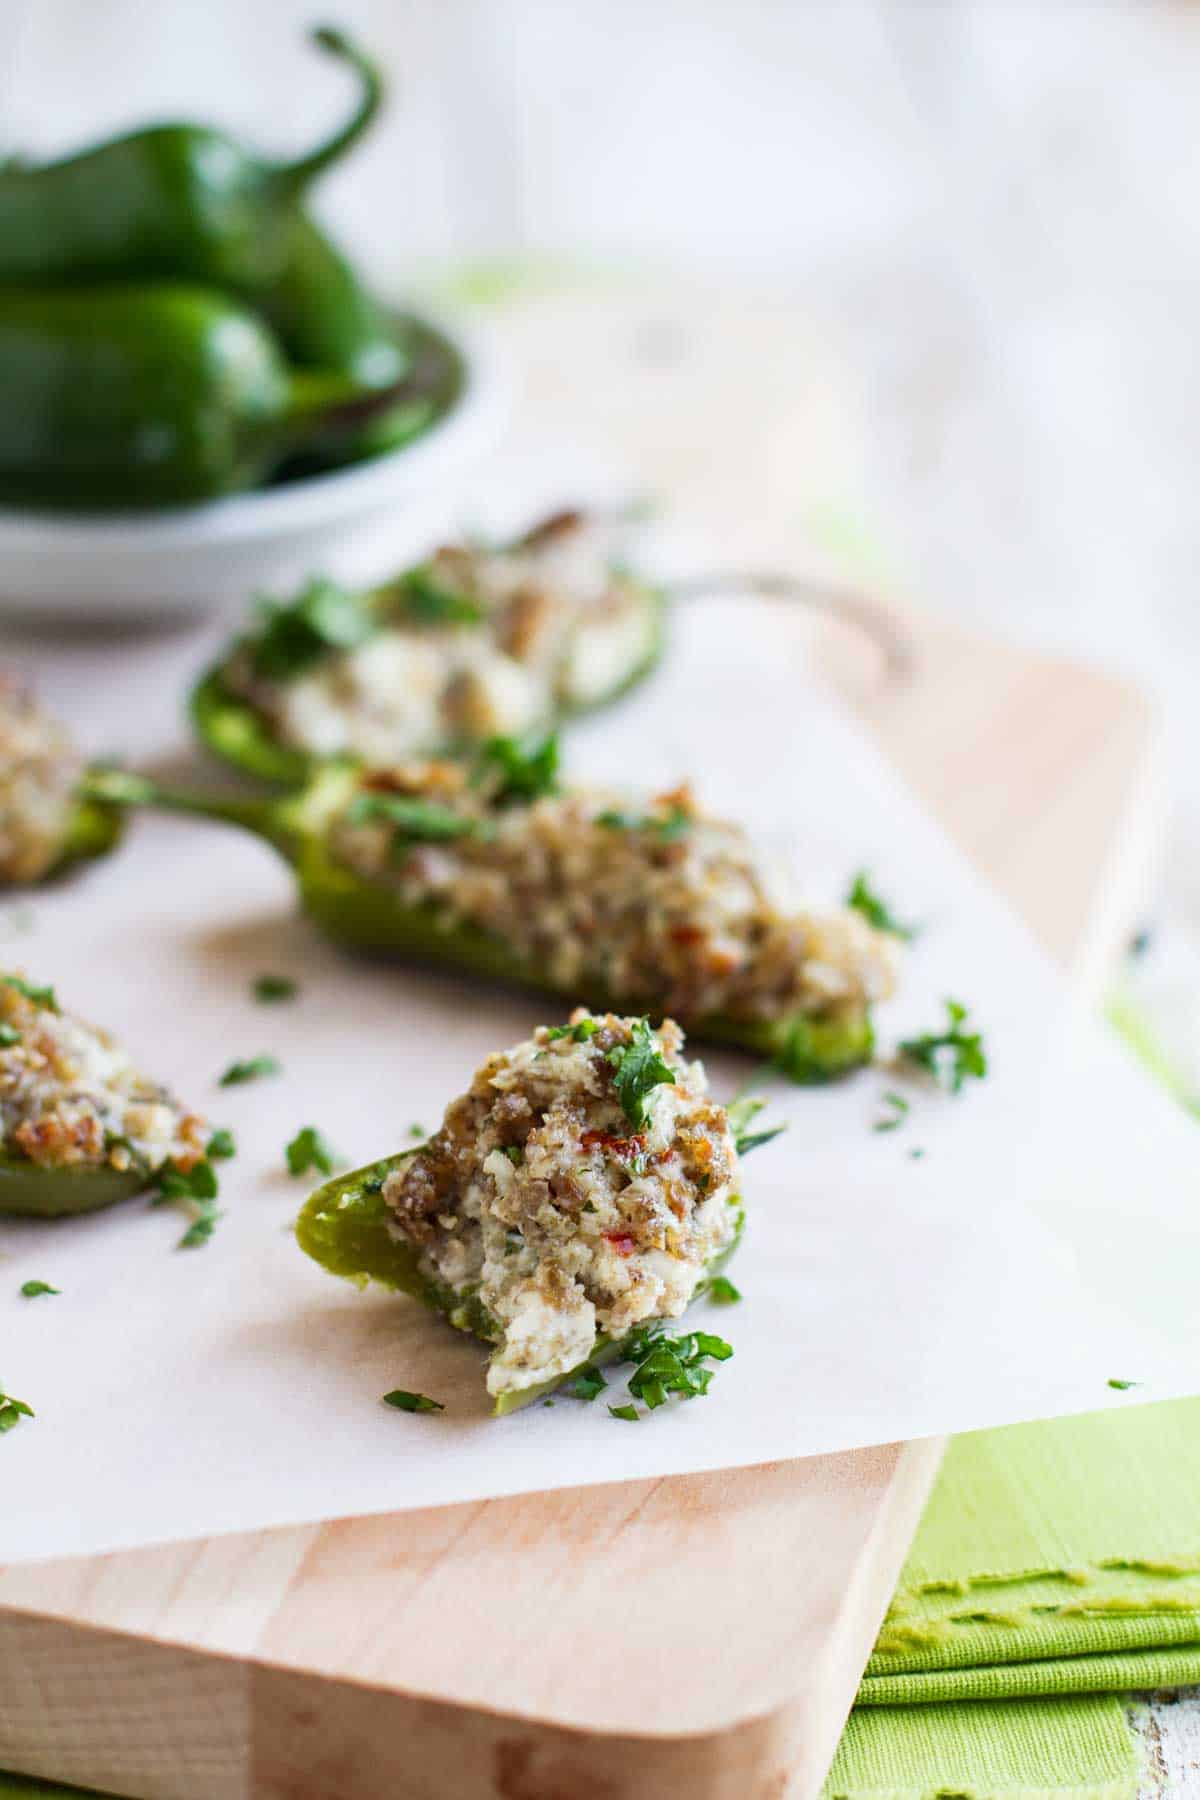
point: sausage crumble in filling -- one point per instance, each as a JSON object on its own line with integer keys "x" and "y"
{"x": 656, "y": 901}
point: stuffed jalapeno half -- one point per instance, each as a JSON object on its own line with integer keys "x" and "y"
{"x": 648, "y": 904}
{"x": 46, "y": 823}
{"x": 467, "y": 645}
{"x": 645, "y": 904}
{"x": 586, "y": 1184}
{"x": 80, "y": 1127}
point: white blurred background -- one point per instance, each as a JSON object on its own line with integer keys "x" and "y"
{"x": 987, "y": 214}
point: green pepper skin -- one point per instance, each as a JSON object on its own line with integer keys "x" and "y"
{"x": 343, "y": 1226}
{"x": 324, "y": 316}
{"x": 233, "y": 730}
{"x": 130, "y": 396}
{"x": 29, "y": 1191}
{"x": 178, "y": 201}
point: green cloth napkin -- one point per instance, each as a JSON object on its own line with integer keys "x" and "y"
{"x": 1057, "y": 1565}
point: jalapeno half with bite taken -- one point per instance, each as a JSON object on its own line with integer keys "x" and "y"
{"x": 46, "y": 823}
{"x": 80, "y": 1127}
{"x": 647, "y": 904}
{"x": 470, "y": 644}
{"x": 585, "y": 1187}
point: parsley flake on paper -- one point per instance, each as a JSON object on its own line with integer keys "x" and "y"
{"x": 309, "y": 1150}
{"x": 404, "y": 1401}
{"x": 863, "y": 899}
{"x": 251, "y": 1070}
{"x": 951, "y": 1056}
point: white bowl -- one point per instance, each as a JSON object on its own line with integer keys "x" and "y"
{"x": 189, "y": 560}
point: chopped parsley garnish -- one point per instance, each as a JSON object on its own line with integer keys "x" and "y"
{"x": 424, "y": 598}
{"x": 587, "y": 1384}
{"x": 665, "y": 1364}
{"x": 521, "y": 770}
{"x": 9, "y": 1035}
{"x": 666, "y": 826}
{"x": 200, "y": 1230}
{"x": 417, "y": 1131}
{"x": 952, "y": 1056}
{"x": 1123, "y": 1386}
{"x": 515, "y": 1154}
{"x": 38, "y": 996}
{"x": 270, "y": 988}
{"x": 309, "y": 1150}
{"x": 12, "y": 1411}
{"x": 31, "y": 1289}
{"x": 863, "y": 898}
{"x": 915, "y": 1155}
{"x": 419, "y": 821}
{"x": 251, "y": 1070}
{"x": 196, "y": 1187}
{"x": 897, "y": 1114}
{"x": 221, "y": 1145}
{"x": 403, "y": 1401}
{"x": 741, "y": 1113}
{"x": 296, "y": 633}
{"x": 722, "y": 1291}
{"x": 638, "y": 1068}
{"x": 580, "y": 1032}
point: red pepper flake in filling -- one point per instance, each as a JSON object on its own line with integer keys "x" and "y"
{"x": 621, "y": 1242}
{"x": 626, "y": 1148}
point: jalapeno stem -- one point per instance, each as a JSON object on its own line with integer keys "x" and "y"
{"x": 295, "y": 176}
{"x": 264, "y": 817}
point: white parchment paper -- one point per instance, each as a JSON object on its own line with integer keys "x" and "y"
{"x": 1045, "y": 1241}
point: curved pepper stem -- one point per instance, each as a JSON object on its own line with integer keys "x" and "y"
{"x": 296, "y": 176}
{"x": 264, "y": 817}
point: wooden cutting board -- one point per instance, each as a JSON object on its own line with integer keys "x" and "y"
{"x": 697, "y": 1638}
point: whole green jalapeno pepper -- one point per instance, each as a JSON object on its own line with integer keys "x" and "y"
{"x": 145, "y": 396}
{"x": 815, "y": 1041}
{"x": 176, "y": 201}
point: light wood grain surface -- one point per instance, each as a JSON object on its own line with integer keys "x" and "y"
{"x": 698, "y": 1637}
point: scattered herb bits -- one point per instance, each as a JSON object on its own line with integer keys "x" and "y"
{"x": 403, "y": 1401}
{"x": 896, "y": 1111}
{"x": 12, "y": 1411}
{"x": 32, "y": 1289}
{"x": 9, "y": 1035}
{"x": 196, "y": 1187}
{"x": 38, "y": 996}
{"x": 863, "y": 899}
{"x": 251, "y": 1070}
{"x": 952, "y": 1056}
{"x": 630, "y": 1413}
{"x": 741, "y": 1114}
{"x": 587, "y": 1384}
{"x": 723, "y": 1292}
{"x": 309, "y": 1150}
{"x": 269, "y": 989}
{"x": 221, "y": 1145}
{"x": 1122, "y": 1386}
{"x": 639, "y": 1068}
{"x": 417, "y": 1131}
{"x": 522, "y": 771}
